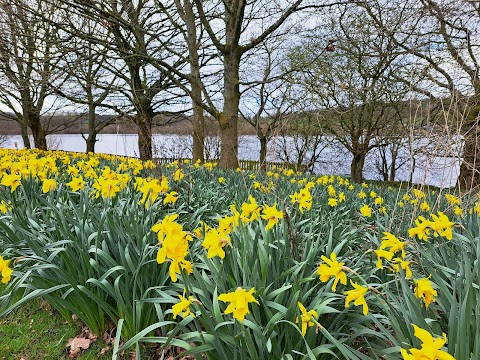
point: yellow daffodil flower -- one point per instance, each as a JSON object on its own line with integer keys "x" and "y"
{"x": 306, "y": 318}
{"x": 357, "y": 295}
{"x": 424, "y": 290}
{"x": 76, "y": 183}
{"x": 272, "y": 214}
{"x": 49, "y": 185}
{"x": 214, "y": 242}
{"x": 11, "y": 180}
{"x": 366, "y": 211}
{"x": 332, "y": 268}
{"x": 171, "y": 198}
{"x": 239, "y": 300}
{"x": 431, "y": 348}
{"x": 332, "y": 202}
{"x": 183, "y": 306}
{"x": 5, "y": 270}
{"x": 178, "y": 175}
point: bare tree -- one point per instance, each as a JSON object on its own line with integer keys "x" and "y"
{"x": 353, "y": 88}
{"x": 90, "y": 85}
{"x": 235, "y": 28}
{"x": 440, "y": 40}
{"x": 301, "y": 140}
{"x": 192, "y": 33}
{"x": 137, "y": 34}
{"x": 267, "y": 99}
{"x": 28, "y": 56}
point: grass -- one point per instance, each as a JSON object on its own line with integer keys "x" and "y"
{"x": 37, "y": 332}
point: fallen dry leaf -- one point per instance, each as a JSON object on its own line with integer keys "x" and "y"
{"x": 76, "y": 345}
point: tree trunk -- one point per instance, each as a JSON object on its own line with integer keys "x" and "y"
{"x": 412, "y": 170}
{"x": 92, "y": 134}
{"x": 469, "y": 177}
{"x": 144, "y": 127}
{"x": 228, "y": 118}
{"x": 195, "y": 81}
{"x": 263, "y": 152}
{"x": 25, "y": 138}
{"x": 393, "y": 167}
{"x": 356, "y": 168}
{"x": 39, "y": 136}
{"x": 198, "y": 132}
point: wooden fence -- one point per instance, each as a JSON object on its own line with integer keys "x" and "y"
{"x": 247, "y": 164}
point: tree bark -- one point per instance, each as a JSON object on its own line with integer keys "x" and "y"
{"x": 144, "y": 127}
{"x": 356, "y": 168}
{"x": 263, "y": 151}
{"x": 39, "y": 136}
{"x": 195, "y": 82}
{"x": 92, "y": 134}
{"x": 228, "y": 118}
{"x": 469, "y": 177}
{"x": 393, "y": 166}
{"x": 198, "y": 133}
{"x": 25, "y": 138}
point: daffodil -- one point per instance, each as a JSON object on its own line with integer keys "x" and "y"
{"x": 149, "y": 164}
{"x": 5, "y": 270}
{"x": 332, "y": 268}
{"x": 422, "y": 230}
{"x": 419, "y": 194}
{"x": 183, "y": 306}
{"x": 171, "y": 198}
{"x": 239, "y": 300}
{"x": 49, "y": 185}
{"x": 11, "y": 180}
{"x": 106, "y": 187}
{"x": 388, "y": 255}
{"x": 392, "y": 243}
{"x": 357, "y": 295}
{"x": 250, "y": 210}
{"x": 424, "y": 206}
{"x": 151, "y": 189}
{"x": 431, "y": 348}
{"x": 332, "y": 202}
{"x": 272, "y": 214}
{"x": 452, "y": 199}
{"x": 214, "y": 242}
{"x": 76, "y": 183}
{"x": 441, "y": 225}
{"x": 174, "y": 246}
{"x": 424, "y": 290}
{"x": 4, "y": 207}
{"x": 366, "y": 211}
{"x": 361, "y": 195}
{"x": 331, "y": 191}
{"x": 167, "y": 226}
{"x": 405, "y": 265}
{"x": 178, "y": 175}
{"x": 306, "y": 318}
{"x": 176, "y": 265}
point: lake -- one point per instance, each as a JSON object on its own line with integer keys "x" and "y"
{"x": 419, "y": 159}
